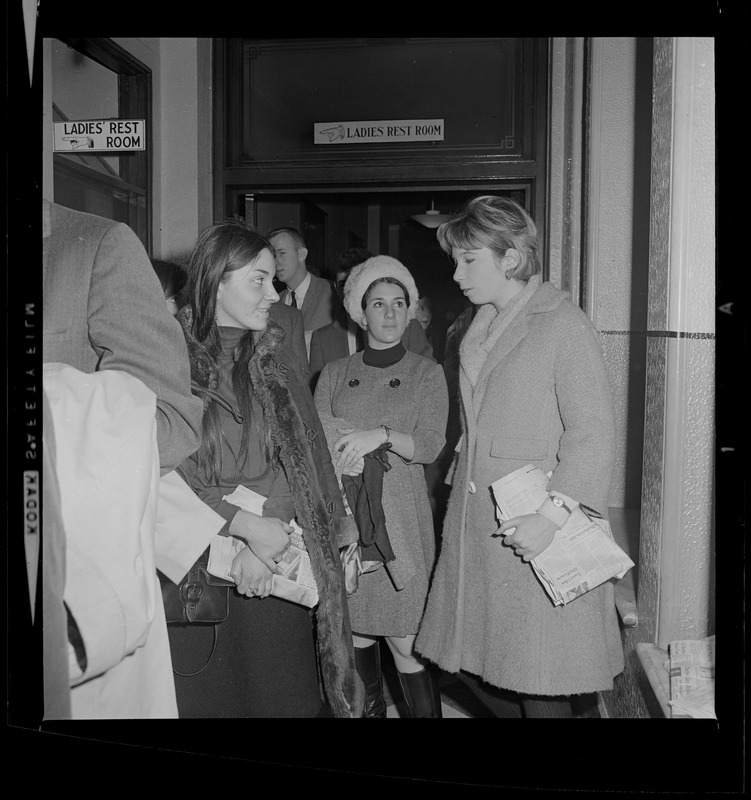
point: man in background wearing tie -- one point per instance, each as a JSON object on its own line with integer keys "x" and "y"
{"x": 343, "y": 337}
{"x": 315, "y": 297}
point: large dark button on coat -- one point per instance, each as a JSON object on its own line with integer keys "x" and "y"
{"x": 354, "y": 382}
{"x": 394, "y": 382}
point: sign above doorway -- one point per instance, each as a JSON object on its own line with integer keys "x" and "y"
{"x": 81, "y": 136}
{"x": 382, "y": 130}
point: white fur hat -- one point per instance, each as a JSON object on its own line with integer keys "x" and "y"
{"x": 363, "y": 275}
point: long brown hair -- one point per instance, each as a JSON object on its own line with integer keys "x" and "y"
{"x": 221, "y": 249}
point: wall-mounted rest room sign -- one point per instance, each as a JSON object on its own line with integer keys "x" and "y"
{"x": 91, "y": 135}
{"x": 380, "y": 130}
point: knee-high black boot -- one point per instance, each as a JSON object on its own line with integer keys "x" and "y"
{"x": 421, "y": 693}
{"x": 368, "y": 663}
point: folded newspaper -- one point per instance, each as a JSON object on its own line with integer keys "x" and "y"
{"x": 692, "y": 681}
{"x": 583, "y": 553}
{"x": 294, "y": 580}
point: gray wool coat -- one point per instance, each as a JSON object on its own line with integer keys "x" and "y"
{"x": 546, "y": 402}
{"x": 417, "y": 405}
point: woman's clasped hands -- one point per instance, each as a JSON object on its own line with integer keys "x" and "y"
{"x": 353, "y": 446}
{"x": 267, "y": 537}
{"x": 533, "y": 534}
{"x": 252, "y": 576}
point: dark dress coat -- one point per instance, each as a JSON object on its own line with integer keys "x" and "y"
{"x": 301, "y": 483}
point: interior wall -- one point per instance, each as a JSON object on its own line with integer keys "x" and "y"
{"x": 686, "y": 604}
{"x": 184, "y": 142}
{"x": 614, "y": 283}
{"x": 618, "y": 240}
{"x": 564, "y": 208}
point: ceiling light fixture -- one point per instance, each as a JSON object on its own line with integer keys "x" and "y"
{"x": 431, "y": 218}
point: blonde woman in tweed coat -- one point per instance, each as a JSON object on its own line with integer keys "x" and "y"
{"x": 534, "y": 390}
{"x": 388, "y": 396}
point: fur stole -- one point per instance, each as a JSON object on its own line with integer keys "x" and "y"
{"x": 295, "y": 441}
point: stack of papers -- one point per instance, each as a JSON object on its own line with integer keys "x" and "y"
{"x": 582, "y": 555}
{"x": 692, "y": 682}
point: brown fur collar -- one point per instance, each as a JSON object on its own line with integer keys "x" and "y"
{"x": 270, "y": 381}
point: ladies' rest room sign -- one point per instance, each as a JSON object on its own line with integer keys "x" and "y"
{"x": 96, "y": 135}
{"x": 383, "y": 130}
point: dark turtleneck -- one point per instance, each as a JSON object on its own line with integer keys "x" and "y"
{"x": 383, "y": 358}
{"x": 229, "y": 337}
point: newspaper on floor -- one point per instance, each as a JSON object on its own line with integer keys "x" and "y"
{"x": 582, "y": 555}
{"x": 294, "y": 580}
{"x": 691, "y": 668}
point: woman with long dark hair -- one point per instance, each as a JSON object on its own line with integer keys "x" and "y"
{"x": 261, "y": 432}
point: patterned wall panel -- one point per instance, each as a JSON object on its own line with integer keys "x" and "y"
{"x": 687, "y": 561}
{"x": 624, "y": 357}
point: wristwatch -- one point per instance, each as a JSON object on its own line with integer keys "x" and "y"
{"x": 556, "y": 509}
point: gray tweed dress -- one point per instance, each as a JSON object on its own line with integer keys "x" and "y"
{"x": 390, "y": 601}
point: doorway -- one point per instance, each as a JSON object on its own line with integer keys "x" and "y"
{"x": 379, "y": 221}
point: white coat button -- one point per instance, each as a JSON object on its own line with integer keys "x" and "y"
{"x": 472, "y": 487}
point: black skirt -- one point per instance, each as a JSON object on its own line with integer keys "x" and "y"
{"x": 264, "y": 663}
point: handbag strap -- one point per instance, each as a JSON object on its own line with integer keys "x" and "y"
{"x": 211, "y": 654}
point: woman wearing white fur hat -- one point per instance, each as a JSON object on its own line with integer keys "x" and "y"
{"x": 384, "y": 411}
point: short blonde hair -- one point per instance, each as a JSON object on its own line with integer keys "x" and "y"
{"x": 497, "y": 223}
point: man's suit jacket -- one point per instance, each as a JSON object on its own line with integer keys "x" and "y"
{"x": 104, "y": 308}
{"x": 321, "y": 304}
{"x": 330, "y": 343}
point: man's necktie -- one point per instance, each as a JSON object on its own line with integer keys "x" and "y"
{"x": 294, "y": 300}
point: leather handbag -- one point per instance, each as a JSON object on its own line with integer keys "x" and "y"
{"x": 200, "y": 597}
